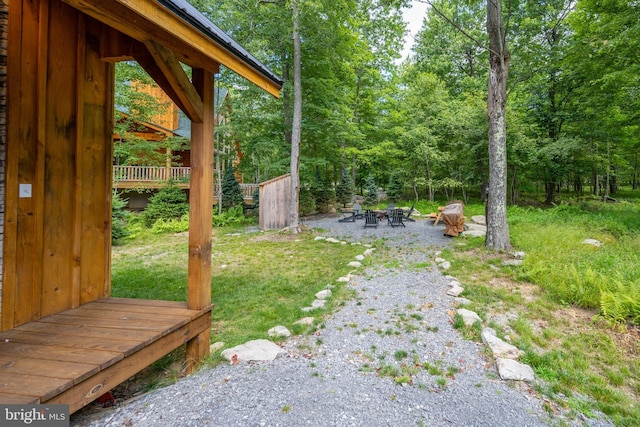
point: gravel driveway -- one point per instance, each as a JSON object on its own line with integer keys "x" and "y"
{"x": 389, "y": 357}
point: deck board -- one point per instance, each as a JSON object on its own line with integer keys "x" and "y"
{"x": 74, "y": 356}
{"x": 55, "y": 368}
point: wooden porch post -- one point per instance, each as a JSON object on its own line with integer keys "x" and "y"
{"x": 200, "y": 214}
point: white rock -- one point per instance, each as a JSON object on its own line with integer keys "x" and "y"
{"x": 445, "y": 265}
{"x": 216, "y": 346}
{"x": 355, "y": 264}
{"x": 359, "y": 257}
{"x": 439, "y": 260}
{"x": 319, "y": 303}
{"x": 254, "y": 350}
{"x": 519, "y": 254}
{"x": 462, "y": 301}
{"x": 454, "y": 283}
{"x": 368, "y": 252}
{"x": 306, "y": 321}
{"x": 499, "y": 347}
{"x": 324, "y": 294}
{"x": 332, "y": 240}
{"x": 320, "y": 238}
{"x": 469, "y": 317}
{"x": 509, "y": 369}
{"x": 512, "y": 262}
{"x": 592, "y": 242}
{"x": 455, "y": 291}
{"x": 479, "y": 219}
{"x": 344, "y": 279}
{"x": 279, "y": 331}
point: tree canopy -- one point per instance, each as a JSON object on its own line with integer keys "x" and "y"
{"x": 571, "y": 117}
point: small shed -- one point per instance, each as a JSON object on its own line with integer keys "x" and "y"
{"x": 63, "y": 338}
{"x": 275, "y": 201}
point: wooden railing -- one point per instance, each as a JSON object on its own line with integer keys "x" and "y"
{"x": 150, "y": 174}
{"x": 156, "y": 177}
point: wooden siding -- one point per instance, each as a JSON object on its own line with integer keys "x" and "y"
{"x": 4, "y": 5}
{"x": 75, "y": 356}
{"x": 275, "y": 198}
{"x": 60, "y": 111}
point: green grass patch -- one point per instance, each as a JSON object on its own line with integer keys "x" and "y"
{"x": 577, "y": 305}
{"x": 259, "y": 280}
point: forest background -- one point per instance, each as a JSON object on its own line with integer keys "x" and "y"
{"x": 572, "y": 114}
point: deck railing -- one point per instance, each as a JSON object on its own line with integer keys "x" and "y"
{"x": 150, "y": 173}
{"x": 154, "y": 176}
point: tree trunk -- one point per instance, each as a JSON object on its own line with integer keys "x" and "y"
{"x": 634, "y": 184}
{"x": 297, "y": 121}
{"x": 550, "y": 192}
{"x": 497, "y": 228}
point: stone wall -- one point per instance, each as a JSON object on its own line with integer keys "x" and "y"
{"x": 4, "y": 13}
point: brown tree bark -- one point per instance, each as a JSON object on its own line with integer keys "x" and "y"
{"x": 497, "y": 228}
{"x": 297, "y": 121}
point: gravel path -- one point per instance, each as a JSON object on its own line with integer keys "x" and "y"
{"x": 397, "y": 326}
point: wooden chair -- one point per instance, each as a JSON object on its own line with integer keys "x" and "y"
{"x": 407, "y": 217}
{"x": 396, "y": 218}
{"x": 349, "y": 216}
{"x": 370, "y": 218}
{"x": 357, "y": 209}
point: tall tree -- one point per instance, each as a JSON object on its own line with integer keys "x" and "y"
{"x": 499, "y": 59}
{"x": 294, "y": 212}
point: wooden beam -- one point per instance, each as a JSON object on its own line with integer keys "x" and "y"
{"x": 148, "y": 20}
{"x": 178, "y": 79}
{"x": 201, "y": 197}
{"x": 200, "y": 212}
{"x": 115, "y": 46}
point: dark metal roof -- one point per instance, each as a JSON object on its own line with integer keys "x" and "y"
{"x": 191, "y": 15}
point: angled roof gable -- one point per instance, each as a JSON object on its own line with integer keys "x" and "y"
{"x": 179, "y": 27}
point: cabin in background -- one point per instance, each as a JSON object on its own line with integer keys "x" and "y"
{"x": 137, "y": 181}
{"x": 64, "y": 338}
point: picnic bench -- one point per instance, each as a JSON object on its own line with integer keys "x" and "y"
{"x": 437, "y": 216}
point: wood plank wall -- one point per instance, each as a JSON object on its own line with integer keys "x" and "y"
{"x": 4, "y": 8}
{"x": 274, "y": 199}
{"x": 59, "y": 144}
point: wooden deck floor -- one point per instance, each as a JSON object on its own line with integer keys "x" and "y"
{"x": 75, "y": 356}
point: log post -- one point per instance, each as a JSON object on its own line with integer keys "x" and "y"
{"x": 200, "y": 214}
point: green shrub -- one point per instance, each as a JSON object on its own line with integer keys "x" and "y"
{"x": 395, "y": 187}
{"x": 171, "y": 225}
{"x": 119, "y": 218}
{"x": 323, "y": 194}
{"x": 170, "y": 203}
{"x": 231, "y": 192}
{"x": 306, "y": 202}
{"x": 371, "y": 192}
{"x": 345, "y": 189}
{"x": 232, "y": 216}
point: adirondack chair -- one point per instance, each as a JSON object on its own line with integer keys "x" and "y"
{"x": 349, "y": 216}
{"x": 407, "y": 217}
{"x": 396, "y": 218}
{"x": 357, "y": 210}
{"x": 370, "y": 218}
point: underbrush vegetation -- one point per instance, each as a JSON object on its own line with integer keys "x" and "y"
{"x": 576, "y": 305}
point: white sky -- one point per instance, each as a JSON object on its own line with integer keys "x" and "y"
{"x": 413, "y": 17}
